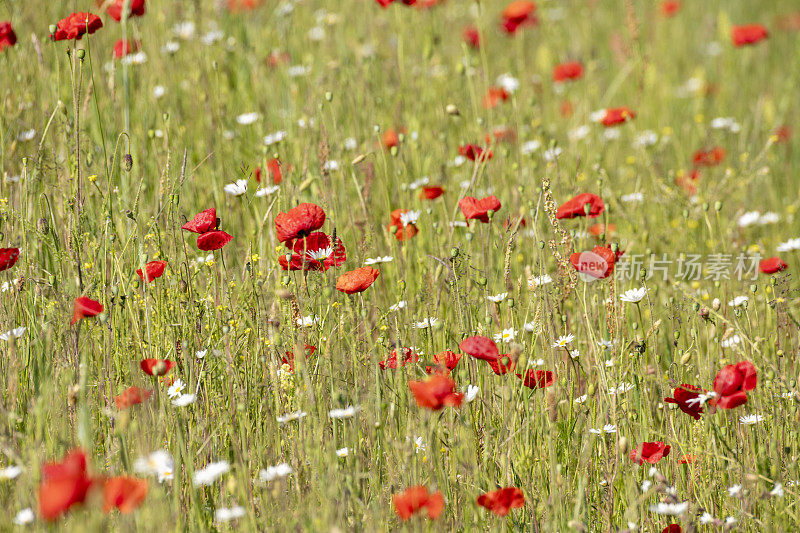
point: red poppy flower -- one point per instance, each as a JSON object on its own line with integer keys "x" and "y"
{"x": 471, "y": 36}
{"x": 213, "y": 240}
{"x": 390, "y": 139}
{"x": 670, "y": 8}
{"x": 576, "y": 206}
{"x": 731, "y": 384}
{"x": 616, "y": 115}
{"x": 132, "y": 396}
{"x": 235, "y": 6}
{"x": 123, "y": 493}
{"x": 571, "y": 70}
{"x": 494, "y": 96}
{"x": 277, "y": 58}
{"x": 288, "y": 359}
{"x": 123, "y": 48}
{"x": 274, "y": 167}
{"x": 402, "y": 232}
{"x": 511, "y": 222}
{"x": 672, "y": 528}
{"x": 772, "y": 265}
{"x": 357, "y": 280}
{"x": 501, "y": 501}
{"x": 517, "y": 14}
{"x": 687, "y": 459}
{"x": 202, "y": 222}
{"x": 683, "y": 397}
{"x": 748, "y": 34}
{"x": 597, "y": 263}
{"x": 538, "y": 379}
{"x": 436, "y": 392}
{"x": 8, "y": 258}
{"x": 415, "y": 499}
{"x": 298, "y": 222}
{"x": 156, "y": 367}
{"x": 566, "y": 108}
{"x": 447, "y": 361}
{"x": 393, "y": 362}
{"x": 709, "y": 158}
{"x": 485, "y": 349}
{"x": 502, "y": 365}
{"x": 76, "y": 26}
{"x": 783, "y": 134}
{"x": 314, "y": 252}
{"x": 63, "y": 485}
{"x": 154, "y": 270}
{"x": 479, "y": 209}
{"x": 688, "y": 182}
{"x": 431, "y": 193}
{"x": 136, "y": 9}
{"x": 85, "y": 307}
{"x": 651, "y": 452}
{"x": 7, "y": 36}
{"x": 598, "y": 230}
{"x": 473, "y": 152}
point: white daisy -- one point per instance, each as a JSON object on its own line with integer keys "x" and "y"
{"x": 238, "y": 188}
{"x": 604, "y": 344}
{"x": 246, "y": 119}
{"x": 350, "y": 144}
{"x": 551, "y": 154}
{"x": 376, "y": 260}
{"x": 497, "y": 298}
{"x": 734, "y": 490}
{"x": 321, "y": 254}
{"x": 419, "y": 445}
{"x": 632, "y": 197}
{"x": 671, "y": 509}
{"x": 274, "y": 138}
{"x": 25, "y": 516}
{"x": 426, "y": 323}
{"x": 272, "y": 473}
{"x": 540, "y": 280}
{"x": 267, "y": 191}
{"x": 289, "y": 417}
{"x": 12, "y": 334}
{"x": 177, "y": 387}
{"x": 159, "y": 463}
{"x": 749, "y": 218}
{"x": 170, "y": 48}
{"x": 225, "y": 514}
{"x": 10, "y": 472}
{"x": 634, "y": 295}
{"x": 579, "y": 133}
{"x": 307, "y": 321}
{"x": 769, "y": 218}
{"x": 409, "y": 217}
{"x": 645, "y": 139}
{"x": 212, "y": 37}
{"x": 530, "y": 147}
{"x": 348, "y": 412}
{"x": 612, "y": 134}
{"x": 507, "y": 335}
{"x": 706, "y": 518}
{"x": 749, "y": 420}
{"x": 777, "y": 490}
{"x": 399, "y": 305}
{"x": 184, "y": 30}
{"x": 623, "y": 387}
{"x": 26, "y": 135}
{"x": 581, "y": 399}
{"x": 507, "y": 82}
{"x": 790, "y": 245}
{"x": 183, "y": 400}
{"x": 211, "y": 473}
{"x": 471, "y": 393}
{"x": 737, "y": 301}
{"x": 343, "y": 452}
{"x": 139, "y": 58}
{"x": 563, "y": 341}
{"x": 646, "y": 484}
{"x": 733, "y": 340}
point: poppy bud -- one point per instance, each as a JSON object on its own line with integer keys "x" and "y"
{"x": 151, "y": 134}
{"x": 686, "y": 358}
{"x": 53, "y": 28}
{"x": 359, "y": 158}
{"x": 622, "y": 444}
{"x": 715, "y": 304}
{"x": 587, "y": 208}
{"x": 226, "y": 329}
{"x": 490, "y": 214}
{"x": 718, "y": 206}
{"x": 643, "y": 273}
{"x": 453, "y": 252}
{"x": 754, "y": 288}
{"x": 127, "y": 162}
{"x": 328, "y": 96}
{"x": 685, "y": 213}
{"x": 614, "y": 247}
{"x": 469, "y": 236}
{"x": 564, "y": 319}
{"x": 706, "y": 206}
{"x": 541, "y": 245}
{"x": 510, "y": 303}
{"x": 677, "y": 335}
{"x": 165, "y": 117}
{"x": 705, "y": 313}
{"x": 482, "y": 281}
{"x": 451, "y": 109}
{"x": 393, "y": 150}
{"x": 286, "y": 280}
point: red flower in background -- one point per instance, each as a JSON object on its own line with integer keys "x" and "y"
{"x": 76, "y": 26}
{"x": 7, "y": 36}
{"x": 357, "y": 280}
{"x": 709, "y": 158}
{"x": 538, "y": 379}
{"x": 132, "y": 396}
{"x": 473, "y": 152}
{"x": 670, "y": 8}
{"x": 298, "y": 222}
{"x": 614, "y": 116}
{"x": 415, "y": 499}
{"x": 153, "y": 269}
{"x": 772, "y": 265}
{"x": 597, "y": 230}
{"x": 501, "y": 501}
{"x": 436, "y": 392}
{"x": 684, "y": 397}
{"x": 315, "y": 252}
{"x": 202, "y": 222}
{"x": 431, "y": 193}
{"x": 672, "y": 528}
{"x": 63, "y": 485}
{"x": 517, "y": 14}
{"x": 485, "y": 349}
{"x": 748, "y": 34}
{"x": 731, "y": 384}
{"x": 123, "y": 493}
{"x": 447, "y": 362}
{"x": 288, "y": 359}
{"x": 402, "y": 231}
{"x": 156, "y": 367}
{"x": 235, "y": 6}
{"x": 390, "y": 139}
{"x": 479, "y": 209}
{"x": 213, "y": 240}
{"x": 650, "y": 452}
{"x": 597, "y": 263}
{"x": 8, "y": 258}
{"x": 393, "y": 362}
{"x": 494, "y": 96}
{"x": 571, "y": 70}
{"x": 85, "y": 307}
{"x": 783, "y": 134}
{"x": 274, "y": 167}
{"x": 471, "y": 36}
{"x": 136, "y": 9}
{"x": 576, "y": 206}
{"x": 123, "y": 48}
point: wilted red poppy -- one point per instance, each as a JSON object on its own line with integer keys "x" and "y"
{"x": 473, "y": 152}
{"x": 213, "y": 240}
{"x": 85, "y": 307}
{"x": 672, "y": 528}
{"x": 577, "y": 206}
{"x": 402, "y": 231}
{"x": 687, "y": 459}
{"x": 772, "y": 265}
{"x": 7, "y": 36}
{"x": 471, "y": 36}
{"x": 357, "y": 280}
{"x": 63, "y": 485}
{"x": 479, "y": 209}
{"x": 274, "y": 167}
{"x": 538, "y": 379}
{"x": 616, "y": 115}
{"x": 684, "y": 397}
{"x": 571, "y": 70}
{"x": 431, "y": 193}
{"x": 153, "y": 269}
{"x": 298, "y": 222}
{"x": 408, "y": 356}
{"x": 123, "y": 493}
{"x": 597, "y": 263}
{"x": 136, "y": 9}
{"x": 783, "y": 134}
{"x": 669, "y": 8}
{"x": 518, "y": 13}
{"x": 650, "y": 452}
{"x": 709, "y": 158}
{"x": 415, "y": 499}
{"x": 123, "y": 48}
{"x": 748, "y": 34}
{"x": 76, "y": 26}
{"x": 566, "y": 109}
{"x": 315, "y": 252}
{"x": 494, "y": 96}
{"x": 731, "y": 384}
{"x": 598, "y": 230}
{"x": 501, "y": 501}
{"x": 8, "y": 258}
{"x": 277, "y": 58}
{"x": 447, "y": 361}
{"x": 436, "y": 392}
{"x": 156, "y": 367}
{"x": 288, "y": 359}
{"x": 202, "y": 222}
{"x": 390, "y": 139}
{"x": 132, "y": 396}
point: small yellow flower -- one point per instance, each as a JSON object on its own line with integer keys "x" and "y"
{"x": 630, "y": 160}
{"x": 92, "y": 178}
{"x": 699, "y": 118}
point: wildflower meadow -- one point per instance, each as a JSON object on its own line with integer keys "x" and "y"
{"x": 399, "y": 265}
